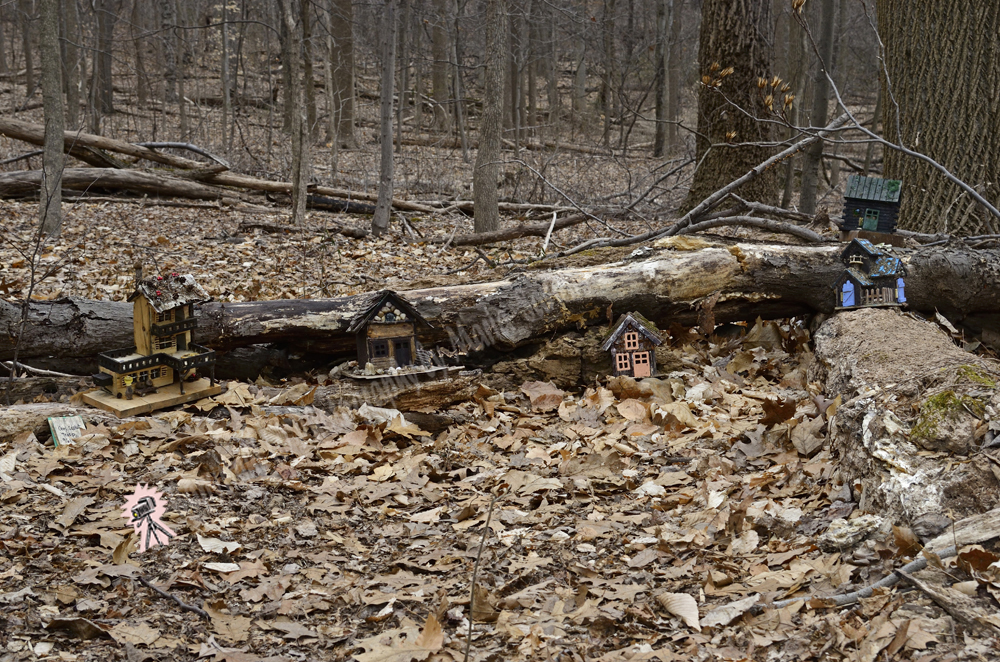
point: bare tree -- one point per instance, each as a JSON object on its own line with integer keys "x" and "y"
{"x": 50, "y": 204}
{"x": 820, "y": 107}
{"x": 383, "y": 208}
{"x": 487, "y": 168}
{"x": 342, "y": 74}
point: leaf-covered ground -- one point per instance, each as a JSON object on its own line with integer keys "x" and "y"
{"x": 626, "y": 522}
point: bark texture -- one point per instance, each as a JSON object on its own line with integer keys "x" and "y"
{"x": 916, "y": 411}
{"x": 50, "y": 200}
{"x": 733, "y": 34}
{"x": 941, "y": 99}
{"x": 487, "y": 169}
{"x": 488, "y": 319}
{"x": 380, "y": 220}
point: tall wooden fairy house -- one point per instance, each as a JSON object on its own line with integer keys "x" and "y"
{"x": 154, "y": 371}
{"x": 871, "y": 277}
{"x": 871, "y": 204}
{"x": 386, "y": 331}
{"x": 632, "y": 342}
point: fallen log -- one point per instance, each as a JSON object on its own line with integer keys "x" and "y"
{"x": 488, "y": 319}
{"x": 916, "y": 412}
{"x": 24, "y": 182}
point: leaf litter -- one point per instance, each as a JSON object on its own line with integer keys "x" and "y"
{"x": 630, "y": 521}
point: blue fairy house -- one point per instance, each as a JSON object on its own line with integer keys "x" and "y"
{"x": 871, "y": 204}
{"x": 872, "y": 277}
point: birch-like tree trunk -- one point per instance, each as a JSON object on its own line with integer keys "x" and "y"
{"x": 50, "y": 202}
{"x": 383, "y": 208}
{"x": 487, "y": 168}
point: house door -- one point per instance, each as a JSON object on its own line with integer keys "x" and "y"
{"x": 847, "y": 294}
{"x": 900, "y": 295}
{"x": 871, "y": 220}
{"x": 640, "y": 362}
{"x": 401, "y": 351}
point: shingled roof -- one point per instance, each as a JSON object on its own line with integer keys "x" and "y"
{"x": 168, "y": 292}
{"x": 873, "y": 188}
{"x": 636, "y": 320}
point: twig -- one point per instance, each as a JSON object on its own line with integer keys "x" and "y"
{"x": 475, "y": 575}
{"x": 183, "y": 605}
{"x": 37, "y": 371}
{"x": 548, "y": 235}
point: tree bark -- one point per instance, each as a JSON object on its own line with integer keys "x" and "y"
{"x": 103, "y": 86}
{"x": 813, "y": 157}
{"x": 308, "y": 83}
{"x": 943, "y": 73}
{"x": 342, "y": 63}
{"x": 439, "y": 66}
{"x": 660, "y": 66}
{"x": 25, "y": 13}
{"x": 71, "y": 63}
{"x": 486, "y": 172}
{"x": 50, "y": 200}
{"x": 487, "y": 319}
{"x": 168, "y": 23}
{"x": 380, "y": 220}
{"x": 738, "y": 35}
{"x": 299, "y": 130}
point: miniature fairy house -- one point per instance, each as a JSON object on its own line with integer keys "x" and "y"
{"x": 164, "y": 357}
{"x": 632, "y": 343}
{"x": 871, "y": 204}
{"x": 386, "y": 331}
{"x": 872, "y": 277}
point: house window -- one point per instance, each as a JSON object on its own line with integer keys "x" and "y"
{"x": 631, "y": 340}
{"x": 154, "y": 373}
{"x": 165, "y": 316}
{"x": 143, "y": 376}
{"x": 871, "y": 220}
{"x": 622, "y": 362}
{"x": 164, "y": 343}
{"x": 380, "y": 349}
{"x": 856, "y": 259}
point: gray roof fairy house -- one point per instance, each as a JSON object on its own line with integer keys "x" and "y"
{"x": 386, "y": 331}
{"x": 632, "y": 342}
{"x": 154, "y": 371}
{"x": 871, "y": 204}
{"x": 871, "y": 277}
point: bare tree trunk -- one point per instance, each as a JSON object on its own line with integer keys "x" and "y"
{"x": 26, "y": 12}
{"x": 50, "y": 202}
{"x": 300, "y": 143}
{"x": 141, "y": 78}
{"x": 876, "y": 119}
{"x": 383, "y": 208}
{"x": 797, "y": 80}
{"x": 580, "y": 81}
{"x": 227, "y": 100}
{"x": 487, "y": 168}
{"x": 71, "y": 72}
{"x": 459, "y": 91}
{"x": 418, "y": 83}
{"x": 660, "y": 92}
{"x": 182, "y": 49}
{"x": 404, "y": 71}
{"x": 820, "y": 108}
{"x": 342, "y": 59}
{"x": 168, "y": 23}
{"x": 107, "y": 16}
{"x": 674, "y": 73}
{"x": 439, "y": 67}
{"x": 289, "y": 49}
{"x": 608, "y": 41}
{"x": 3, "y": 40}
{"x": 738, "y": 35}
{"x": 552, "y": 76}
{"x": 309, "y": 85}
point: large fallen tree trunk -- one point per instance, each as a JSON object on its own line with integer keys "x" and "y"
{"x": 918, "y": 413}
{"x": 24, "y": 182}
{"x": 768, "y": 281}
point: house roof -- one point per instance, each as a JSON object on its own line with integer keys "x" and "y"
{"x": 873, "y": 188}
{"x": 374, "y": 304}
{"x": 863, "y": 244}
{"x": 168, "y": 292}
{"x": 886, "y": 265}
{"x": 635, "y": 321}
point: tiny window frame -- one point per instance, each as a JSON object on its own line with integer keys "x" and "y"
{"x": 623, "y": 361}
{"x": 632, "y": 340}
{"x": 380, "y": 349}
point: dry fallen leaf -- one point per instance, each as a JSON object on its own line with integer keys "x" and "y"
{"x": 726, "y": 614}
{"x": 544, "y": 396}
{"x": 683, "y": 606}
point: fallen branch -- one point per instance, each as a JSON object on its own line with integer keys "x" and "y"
{"x": 752, "y": 221}
{"x": 10, "y": 365}
{"x": 170, "y": 596}
{"x": 23, "y": 182}
{"x": 508, "y": 234}
{"x": 714, "y": 199}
